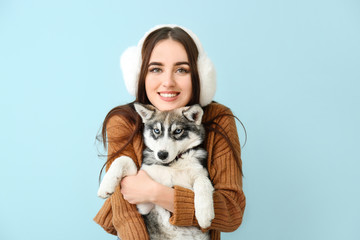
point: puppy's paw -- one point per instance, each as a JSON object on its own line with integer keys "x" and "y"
{"x": 144, "y": 208}
{"x": 203, "y": 201}
{"x": 104, "y": 194}
{"x": 122, "y": 166}
{"x": 107, "y": 187}
{"x": 204, "y": 215}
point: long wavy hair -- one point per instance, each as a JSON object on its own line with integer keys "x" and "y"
{"x": 127, "y": 111}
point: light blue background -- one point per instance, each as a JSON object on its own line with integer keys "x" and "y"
{"x": 288, "y": 69}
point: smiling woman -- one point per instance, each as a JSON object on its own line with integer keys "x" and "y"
{"x": 169, "y": 69}
{"x": 167, "y": 52}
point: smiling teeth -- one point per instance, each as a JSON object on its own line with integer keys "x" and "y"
{"x": 168, "y": 95}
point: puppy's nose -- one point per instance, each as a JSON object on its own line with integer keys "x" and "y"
{"x": 163, "y": 155}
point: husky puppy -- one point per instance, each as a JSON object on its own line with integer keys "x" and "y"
{"x": 172, "y": 157}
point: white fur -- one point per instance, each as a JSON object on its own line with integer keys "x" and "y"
{"x": 121, "y": 167}
{"x": 187, "y": 173}
{"x": 204, "y": 206}
{"x": 130, "y": 63}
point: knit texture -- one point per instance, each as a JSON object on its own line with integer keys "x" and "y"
{"x": 118, "y": 217}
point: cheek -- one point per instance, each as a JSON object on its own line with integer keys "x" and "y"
{"x": 188, "y": 86}
{"x": 149, "y": 86}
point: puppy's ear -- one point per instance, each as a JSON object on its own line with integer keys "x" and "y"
{"x": 193, "y": 113}
{"x": 146, "y": 112}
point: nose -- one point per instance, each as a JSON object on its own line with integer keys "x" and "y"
{"x": 168, "y": 80}
{"x": 163, "y": 155}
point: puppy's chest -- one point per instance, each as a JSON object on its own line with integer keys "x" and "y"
{"x": 180, "y": 174}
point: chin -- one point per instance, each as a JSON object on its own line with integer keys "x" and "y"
{"x": 168, "y": 105}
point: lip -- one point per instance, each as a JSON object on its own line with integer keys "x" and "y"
{"x": 170, "y": 95}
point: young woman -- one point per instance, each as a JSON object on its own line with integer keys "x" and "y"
{"x": 169, "y": 69}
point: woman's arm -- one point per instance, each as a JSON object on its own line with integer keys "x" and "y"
{"x": 118, "y": 216}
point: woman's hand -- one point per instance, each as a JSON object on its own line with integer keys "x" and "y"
{"x": 141, "y": 188}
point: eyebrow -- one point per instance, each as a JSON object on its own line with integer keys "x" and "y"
{"x": 160, "y": 64}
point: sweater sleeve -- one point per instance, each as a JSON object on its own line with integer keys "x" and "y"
{"x": 117, "y": 216}
{"x": 229, "y": 198}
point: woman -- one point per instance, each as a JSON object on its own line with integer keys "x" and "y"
{"x": 169, "y": 69}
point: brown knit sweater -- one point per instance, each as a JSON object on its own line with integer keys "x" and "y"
{"x": 121, "y": 218}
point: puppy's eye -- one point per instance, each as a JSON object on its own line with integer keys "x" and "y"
{"x": 156, "y": 131}
{"x": 178, "y": 131}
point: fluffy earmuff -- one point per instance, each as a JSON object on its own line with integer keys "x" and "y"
{"x": 130, "y": 63}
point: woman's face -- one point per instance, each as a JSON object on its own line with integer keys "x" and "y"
{"x": 168, "y": 80}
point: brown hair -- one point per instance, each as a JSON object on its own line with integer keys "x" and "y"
{"x": 127, "y": 111}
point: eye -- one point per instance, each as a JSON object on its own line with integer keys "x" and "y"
{"x": 178, "y": 131}
{"x": 155, "y": 70}
{"x": 156, "y": 131}
{"x": 182, "y": 70}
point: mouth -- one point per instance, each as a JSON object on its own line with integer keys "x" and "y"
{"x": 166, "y": 162}
{"x": 169, "y": 96}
